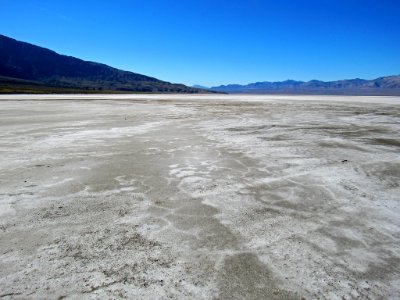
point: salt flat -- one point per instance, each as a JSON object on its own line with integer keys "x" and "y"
{"x": 199, "y": 197}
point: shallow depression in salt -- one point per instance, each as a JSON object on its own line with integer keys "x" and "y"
{"x": 199, "y": 197}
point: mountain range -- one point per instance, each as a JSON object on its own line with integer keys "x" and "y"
{"x": 389, "y": 85}
{"x": 26, "y": 68}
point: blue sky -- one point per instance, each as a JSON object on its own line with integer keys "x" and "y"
{"x": 218, "y": 42}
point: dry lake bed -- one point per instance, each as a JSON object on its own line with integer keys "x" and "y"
{"x": 199, "y": 197}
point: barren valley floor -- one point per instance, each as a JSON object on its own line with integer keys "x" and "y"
{"x": 199, "y": 197}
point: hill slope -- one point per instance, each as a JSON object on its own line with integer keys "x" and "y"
{"x": 389, "y": 85}
{"x": 28, "y": 68}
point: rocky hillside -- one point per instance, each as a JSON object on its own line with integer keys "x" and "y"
{"x": 28, "y": 68}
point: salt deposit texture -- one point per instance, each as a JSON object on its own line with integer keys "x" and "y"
{"x": 199, "y": 197}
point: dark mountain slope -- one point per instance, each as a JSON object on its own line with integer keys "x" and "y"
{"x": 46, "y": 69}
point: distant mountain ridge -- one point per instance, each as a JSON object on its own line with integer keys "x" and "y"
{"x": 28, "y": 68}
{"x": 198, "y": 86}
{"x": 389, "y": 85}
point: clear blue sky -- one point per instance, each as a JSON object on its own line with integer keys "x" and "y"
{"x": 218, "y": 42}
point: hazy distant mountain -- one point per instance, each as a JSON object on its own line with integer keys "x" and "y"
{"x": 389, "y": 85}
{"x": 198, "y": 86}
{"x": 28, "y": 68}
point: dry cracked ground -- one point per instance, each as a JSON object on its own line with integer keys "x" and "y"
{"x": 199, "y": 197}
